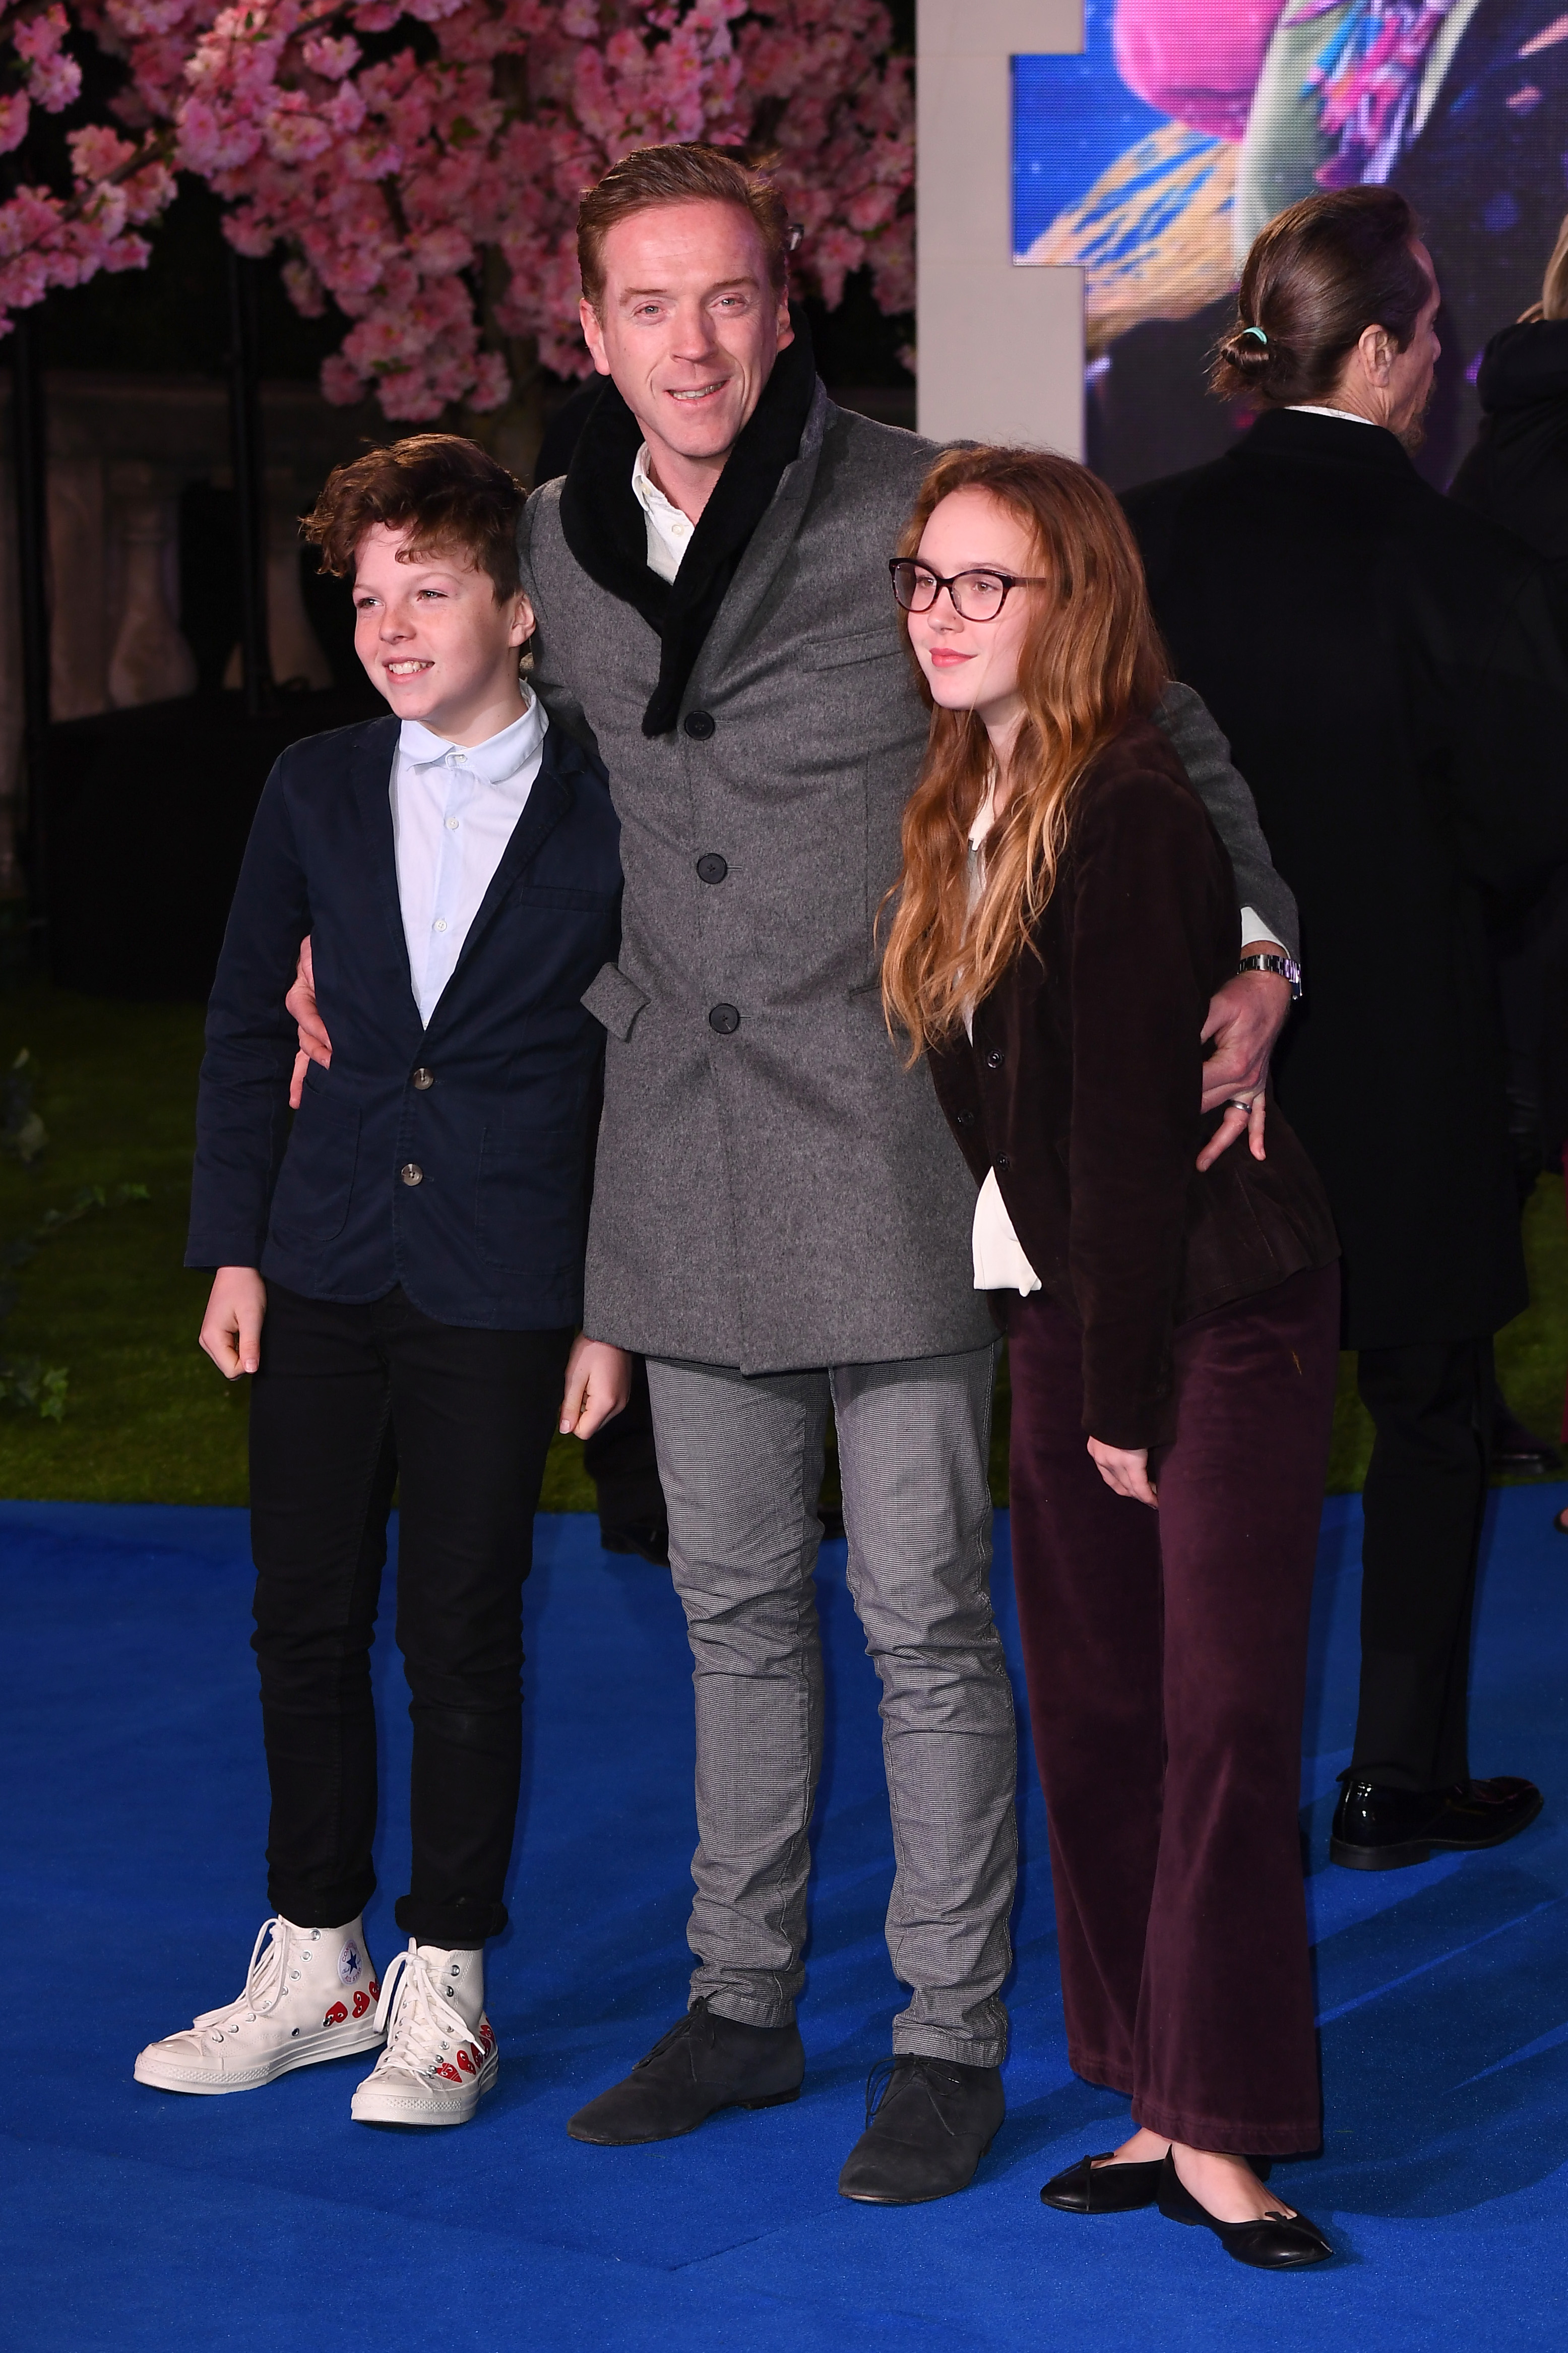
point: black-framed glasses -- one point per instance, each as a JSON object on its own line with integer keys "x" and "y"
{"x": 978, "y": 594}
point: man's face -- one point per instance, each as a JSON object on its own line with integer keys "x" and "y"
{"x": 688, "y": 325}
{"x": 1411, "y": 376}
{"x": 432, "y": 635}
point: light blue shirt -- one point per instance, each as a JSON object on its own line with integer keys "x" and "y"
{"x": 454, "y": 807}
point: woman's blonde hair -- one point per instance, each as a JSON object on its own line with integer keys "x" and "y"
{"x": 1090, "y": 661}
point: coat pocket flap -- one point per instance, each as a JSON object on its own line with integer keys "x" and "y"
{"x": 615, "y": 1000}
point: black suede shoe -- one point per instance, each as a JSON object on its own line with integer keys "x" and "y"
{"x": 1376, "y": 1829}
{"x": 1276, "y": 2243}
{"x": 704, "y": 2063}
{"x": 929, "y": 2122}
{"x": 1095, "y": 2186}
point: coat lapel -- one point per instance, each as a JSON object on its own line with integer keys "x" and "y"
{"x": 770, "y": 543}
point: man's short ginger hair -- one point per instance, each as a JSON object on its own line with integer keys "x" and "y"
{"x": 449, "y": 493}
{"x": 682, "y": 173}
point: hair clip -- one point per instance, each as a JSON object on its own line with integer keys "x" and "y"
{"x": 1258, "y": 332}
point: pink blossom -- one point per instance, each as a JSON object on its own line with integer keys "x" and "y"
{"x": 14, "y": 112}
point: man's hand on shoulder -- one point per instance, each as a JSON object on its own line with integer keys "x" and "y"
{"x": 1245, "y": 1019}
{"x": 315, "y": 1046}
{"x": 231, "y": 1328}
{"x": 598, "y": 1382}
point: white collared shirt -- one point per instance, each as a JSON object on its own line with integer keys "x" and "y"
{"x": 1315, "y": 408}
{"x": 454, "y": 807}
{"x": 668, "y": 531}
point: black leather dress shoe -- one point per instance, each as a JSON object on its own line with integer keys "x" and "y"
{"x": 1095, "y": 2186}
{"x": 1376, "y": 1829}
{"x": 705, "y": 2063}
{"x": 1276, "y": 2243}
{"x": 929, "y": 2122}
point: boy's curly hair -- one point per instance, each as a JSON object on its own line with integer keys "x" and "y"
{"x": 453, "y": 493}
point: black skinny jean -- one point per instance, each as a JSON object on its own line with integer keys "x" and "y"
{"x": 350, "y": 1400}
{"x": 1424, "y": 1494}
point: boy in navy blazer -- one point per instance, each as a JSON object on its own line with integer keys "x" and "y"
{"x": 399, "y": 1267}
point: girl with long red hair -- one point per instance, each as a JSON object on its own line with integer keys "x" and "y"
{"x": 1064, "y": 915}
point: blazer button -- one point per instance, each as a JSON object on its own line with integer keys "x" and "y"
{"x": 423, "y": 1079}
{"x": 725, "y": 1018}
{"x": 698, "y": 726}
{"x": 412, "y": 1174}
{"x": 711, "y": 868}
{"x": 963, "y": 1118}
{"x": 994, "y": 1058}
{"x": 1001, "y": 1161}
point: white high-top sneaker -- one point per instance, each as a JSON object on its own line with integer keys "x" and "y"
{"x": 309, "y": 1995}
{"x": 437, "y": 2063}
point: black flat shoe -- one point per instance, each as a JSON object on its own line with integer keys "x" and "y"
{"x": 1276, "y": 2243}
{"x": 929, "y": 2122}
{"x": 704, "y": 2063}
{"x": 1095, "y": 2186}
{"x": 1377, "y": 1829}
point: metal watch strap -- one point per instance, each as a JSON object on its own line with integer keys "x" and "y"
{"x": 1286, "y": 968}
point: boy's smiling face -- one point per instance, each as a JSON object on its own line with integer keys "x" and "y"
{"x": 433, "y": 637}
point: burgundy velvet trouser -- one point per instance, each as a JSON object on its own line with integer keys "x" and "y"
{"x": 1167, "y": 1659}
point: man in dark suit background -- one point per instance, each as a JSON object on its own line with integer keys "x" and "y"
{"x": 1391, "y": 672}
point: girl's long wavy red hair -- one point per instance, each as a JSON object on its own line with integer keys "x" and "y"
{"x": 1092, "y": 660}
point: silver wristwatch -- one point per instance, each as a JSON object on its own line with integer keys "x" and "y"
{"x": 1286, "y": 966}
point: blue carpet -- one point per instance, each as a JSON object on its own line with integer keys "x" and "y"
{"x": 134, "y": 1819}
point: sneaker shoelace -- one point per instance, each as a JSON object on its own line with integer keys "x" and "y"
{"x": 423, "y": 2029}
{"x": 265, "y": 1983}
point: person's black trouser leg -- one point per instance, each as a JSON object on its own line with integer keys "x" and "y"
{"x": 620, "y": 1460}
{"x": 351, "y": 1398}
{"x": 1424, "y": 1492}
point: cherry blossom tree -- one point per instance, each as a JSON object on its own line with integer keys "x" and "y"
{"x": 418, "y": 161}
{"x": 50, "y": 237}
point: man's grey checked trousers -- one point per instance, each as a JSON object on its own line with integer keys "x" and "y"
{"x": 741, "y": 1460}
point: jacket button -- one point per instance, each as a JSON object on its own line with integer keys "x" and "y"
{"x": 698, "y": 726}
{"x": 712, "y": 868}
{"x": 423, "y": 1079}
{"x": 994, "y": 1058}
{"x": 725, "y": 1018}
{"x": 412, "y": 1174}
{"x": 1001, "y": 1161}
{"x": 963, "y": 1118}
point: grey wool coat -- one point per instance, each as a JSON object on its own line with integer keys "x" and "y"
{"x": 773, "y": 1189}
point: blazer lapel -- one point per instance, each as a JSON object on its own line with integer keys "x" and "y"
{"x": 546, "y": 805}
{"x": 373, "y": 759}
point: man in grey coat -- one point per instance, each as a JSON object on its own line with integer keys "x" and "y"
{"x": 780, "y": 1219}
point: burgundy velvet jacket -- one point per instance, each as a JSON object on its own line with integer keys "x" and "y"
{"x": 1081, "y": 1087}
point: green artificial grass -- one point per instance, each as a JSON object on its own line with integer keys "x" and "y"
{"x": 148, "y": 1419}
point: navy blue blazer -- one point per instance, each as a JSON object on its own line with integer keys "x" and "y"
{"x": 502, "y": 1119}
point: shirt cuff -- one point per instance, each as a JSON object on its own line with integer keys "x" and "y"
{"x": 1253, "y": 927}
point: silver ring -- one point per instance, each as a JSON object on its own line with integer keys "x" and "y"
{"x": 1241, "y": 1102}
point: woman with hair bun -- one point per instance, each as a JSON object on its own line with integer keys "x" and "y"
{"x": 1064, "y": 912}
{"x": 1390, "y": 671}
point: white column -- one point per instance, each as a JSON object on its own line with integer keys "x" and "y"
{"x": 151, "y": 661}
{"x": 1000, "y": 347}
